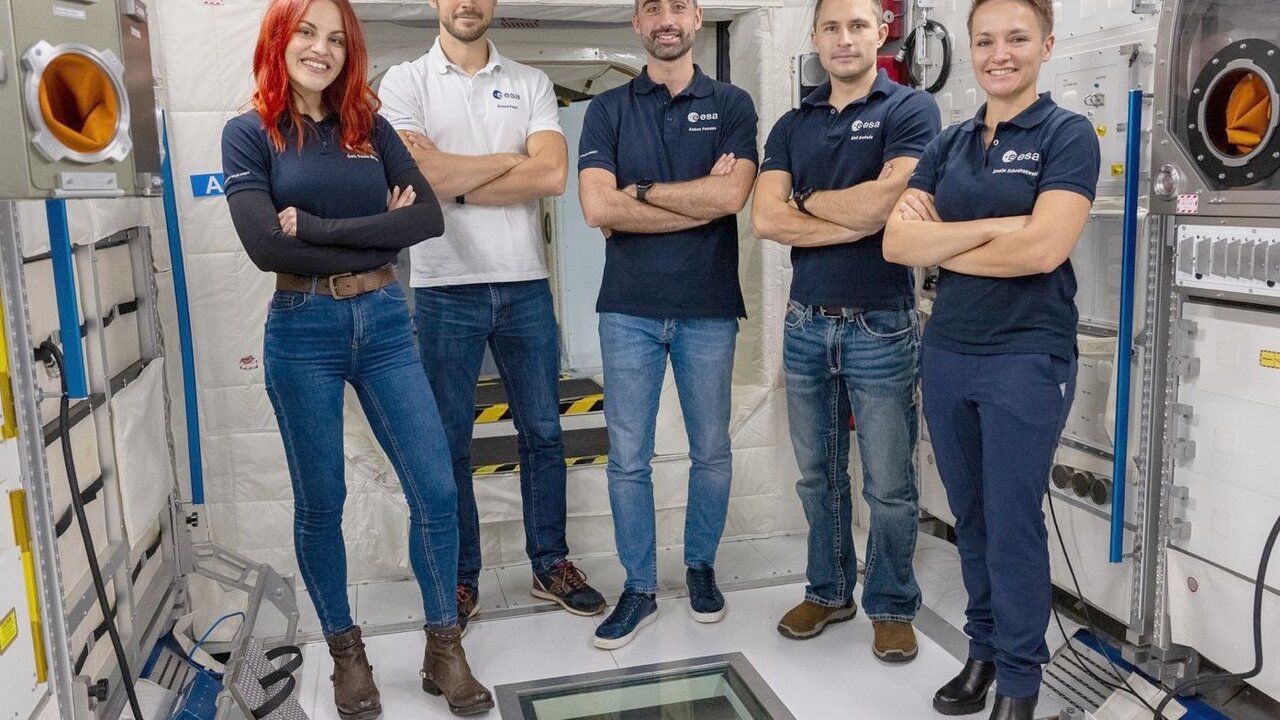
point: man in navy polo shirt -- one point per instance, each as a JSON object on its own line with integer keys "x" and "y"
{"x": 665, "y": 164}
{"x": 833, "y": 169}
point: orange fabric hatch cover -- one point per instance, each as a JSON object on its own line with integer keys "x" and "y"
{"x": 79, "y": 103}
{"x": 1248, "y": 113}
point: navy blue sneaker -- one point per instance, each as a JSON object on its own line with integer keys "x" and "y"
{"x": 633, "y": 611}
{"x": 706, "y": 603}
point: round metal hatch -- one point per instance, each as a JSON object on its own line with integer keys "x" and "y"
{"x": 76, "y": 103}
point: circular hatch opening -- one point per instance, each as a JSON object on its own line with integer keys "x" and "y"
{"x": 79, "y": 104}
{"x": 1237, "y": 113}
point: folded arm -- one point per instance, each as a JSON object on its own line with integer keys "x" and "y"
{"x": 774, "y": 218}
{"x": 272, "y": 250}
{"x": 865, "y": 207}
{"x": 1040, "y": 246}
{"x": 606, "y": 207}
{"x": 397, "y": 228}
{"x": 722, "y": 192}
{"x": 540, "y": 175}
{"x": 451, "y": 174}
{"x": 915, "y": 235}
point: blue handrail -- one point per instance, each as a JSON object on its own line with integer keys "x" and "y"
{"x": 184, "y": 321}
{"x": 1124, "y": 343}
{"x": 64, "y": 281}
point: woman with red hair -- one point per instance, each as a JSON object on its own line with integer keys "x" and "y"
{"x": 308, "y": 173}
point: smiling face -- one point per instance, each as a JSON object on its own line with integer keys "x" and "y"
{"x": 847, "y": 34}
{"x": 1008, "y": 45}
{"x": 667, "y": 27}
{"x": 466, "y": 20}
{"x": 317, "y": 51}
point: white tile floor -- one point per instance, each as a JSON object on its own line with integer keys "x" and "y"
{"x": 831, "y": 676}
{"x": 834, "y": 675}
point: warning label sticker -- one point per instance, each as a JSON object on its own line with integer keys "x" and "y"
{"x": 1270, "y": 359}
{"x": 8, "y": 630}
{"x": 1188, "y": 205}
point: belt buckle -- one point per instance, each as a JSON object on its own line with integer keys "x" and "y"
{"x": 333, "y": 287}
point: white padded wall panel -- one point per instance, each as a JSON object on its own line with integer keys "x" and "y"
{"x": 206, "y": 52}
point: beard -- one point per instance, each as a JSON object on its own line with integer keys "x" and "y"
{"x": 465, "y": 36}
{"x": 667, "y": 52}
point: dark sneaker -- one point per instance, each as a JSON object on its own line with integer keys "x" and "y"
{"x": 468, "y": 604}
{"x": 633, "y": 611}
{"x": 895, "y": 642}
{"x": 809, "y": 618}
{"x": 567, "y": 586}
{"x": 706, "y": 603}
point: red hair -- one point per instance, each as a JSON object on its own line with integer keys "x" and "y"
{"x": 348, "y": 95}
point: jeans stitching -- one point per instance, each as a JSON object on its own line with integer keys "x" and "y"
{"x": 428, "y": 553}
{"x": 833, "y": 456}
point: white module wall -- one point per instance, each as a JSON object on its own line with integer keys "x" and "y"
{"x": 1233, "y": 492}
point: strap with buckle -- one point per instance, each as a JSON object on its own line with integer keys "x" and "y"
{"x": 341, "y": 286}
{"x": 841, "y": 313}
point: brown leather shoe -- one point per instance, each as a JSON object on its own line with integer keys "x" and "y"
{"x": 808, "y": 619}
{"x": 895, "y": 641}
{"x": 445, "y": 672}
{"x": 354, "y": 691}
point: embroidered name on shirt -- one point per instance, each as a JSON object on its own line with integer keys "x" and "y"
{"x": 862, "y": 126}
{"x": 694, "y": 117}
{"x": 356, "y": 156}
{"x": 1013, "y": 156}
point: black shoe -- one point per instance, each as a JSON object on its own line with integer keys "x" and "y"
{"x": 1007, "y": 708}
{"x": 706, "y": 603}
{"x": 967, "y": 692}
{"x": 567, "y": 586}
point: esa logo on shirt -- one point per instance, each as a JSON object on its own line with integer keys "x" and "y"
{"x": 499, "y": 95}
{"x": 862, "y": 129}
{"x": 697, "y": 117}
{"x": 1013, "y": 156}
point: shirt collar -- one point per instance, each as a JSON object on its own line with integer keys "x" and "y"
{"x": 882, "y": 86}
{"x": 702, "y": 86}
{"x": 1026, "y": 119}
{"x": 444, "y": 64}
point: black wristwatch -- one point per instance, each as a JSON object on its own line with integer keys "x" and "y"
{"x": 642, "y": 188}
{"x": 461, "y": 199}
{"x": 800, "y": 196}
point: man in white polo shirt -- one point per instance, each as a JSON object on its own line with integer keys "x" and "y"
{"x": 486, "y": 133}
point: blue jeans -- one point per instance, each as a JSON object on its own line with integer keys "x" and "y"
{"x": 314, "y": 346}
{"x": 994, "y": 421}
{"x": 516, "y": 320}
{"x": 867, "y": 364}
{"x": 634, "y": 351}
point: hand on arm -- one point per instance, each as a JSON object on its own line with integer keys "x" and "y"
{"x": 452, "y": 175}
{"x": 916, "y": 236}
{"x": 722, "y": 192}
{"x": 774, "y": 218}
{"x": 542, "y": 174}
{"x": 1039, "y": 246}
{"x": 606, "y": 207}
{"x": 865, "y": 207}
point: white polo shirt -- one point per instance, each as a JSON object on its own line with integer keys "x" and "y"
{"x": 494, "y": 111}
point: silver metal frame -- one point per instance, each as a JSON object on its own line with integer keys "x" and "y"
{"x": 509, "y": 696}
{"x": 35, "y": 61}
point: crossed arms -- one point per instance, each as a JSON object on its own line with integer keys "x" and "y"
{"x": 837, "y": 216}
{"x": 668, "y": 207}
{"x": 496, "y": 179}
{"x": 994, "y": 247}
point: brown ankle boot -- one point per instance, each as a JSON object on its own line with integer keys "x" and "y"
{"x": 445, "y": 672}
{"x": 354, "y": 691}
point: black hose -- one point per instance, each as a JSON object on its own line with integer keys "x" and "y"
{"x": 64, "y": 421}
{"x": 1259, "y": 587}
{"x": 907, "y": 54}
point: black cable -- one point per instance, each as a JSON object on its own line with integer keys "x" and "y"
{"x": 1259, "y": 587}
{"x": 907, "y": 53}
{"x": 1088, "y": 618}
{"x": 64, "y": 418}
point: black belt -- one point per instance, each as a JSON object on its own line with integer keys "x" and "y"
{"x": 836, "y": 312}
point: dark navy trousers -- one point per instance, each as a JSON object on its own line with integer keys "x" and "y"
{"x": 994, "y": 421}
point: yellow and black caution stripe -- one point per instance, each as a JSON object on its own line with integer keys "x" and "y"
{"x": 577, "y": 406}
{"x": 515, "y": 467}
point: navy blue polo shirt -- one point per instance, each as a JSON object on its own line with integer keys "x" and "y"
{"x": 323, "y": 179}
{"x": 1044, "y": 148}
{"x": 638, "y": 132}
{"x": 826, "y": 149}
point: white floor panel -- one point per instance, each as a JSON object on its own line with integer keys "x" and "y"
{"x": 822, "y": 678}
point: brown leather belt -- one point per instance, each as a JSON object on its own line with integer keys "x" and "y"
{"x": 341, "y": 286}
